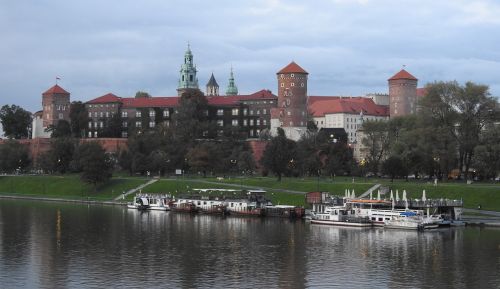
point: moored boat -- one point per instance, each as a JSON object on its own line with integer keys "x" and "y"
{"x": 340, "y": 216}
{"x": 411, "y": 221}
{"x": 139, "y": 203}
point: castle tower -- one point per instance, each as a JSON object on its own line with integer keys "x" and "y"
{"x": 188, "y": 79}
{"x": 402, "y": 94}
{"x": 291, "y": 112}
{"x": 55, "y": 107}
{"x": 231, "y": 87}
{"x": 212, "y": 87}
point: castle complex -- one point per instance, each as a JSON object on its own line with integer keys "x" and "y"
{"x": 250, "y": 114}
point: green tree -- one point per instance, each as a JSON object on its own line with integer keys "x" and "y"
{"x": 463, "y": 111}
{"x": 487, "y": 153}
{"x": 113, "y": 127}
{"x": 203, "y": 157}
{"x": 376, "y": 142}
{"x": 61, "y": 129}
{"x": 16, "y": 121}
{"x": 95, "y": 164}
{"x": 13, "y": 157}
{"x": 79, "y": 119}
{"x": 394, "y": 166}
{"x": 60, "y": 155}
{"x": 280, "y": 155}
{"x": 191, "y": 119}
{"x": 140, "y": 94}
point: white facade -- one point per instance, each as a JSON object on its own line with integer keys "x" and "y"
{"x": 38, "y": 131}
{"x": 294, "y": 133}
{"x": 349, "y": 122}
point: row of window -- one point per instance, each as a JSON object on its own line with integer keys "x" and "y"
{"x": 252, "y": 133}
{"x": 152, "y": 124}
{"x": 258, "y": 102}
{"x": 101, "y": 105}
{"x": 292, "y": 84}
{"x": 101, "y": 114}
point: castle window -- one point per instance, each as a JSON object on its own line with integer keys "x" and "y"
{"x": 292, "y": 84}
{"x": 257, "y": 122}
{"x": 302, "y": 84}
{"x": 271, "y": 101}
{"x": 165, "y": 113}
{"x": 282, "y": 84}
{"x": 257, "y": 132}
{"x": 90, "y": 124}
{"x": 151, "y": 124}
{"x": 264, "y": 111}
{"x": 95, "y": 114}
{"x": 95, "y": 133}
{"x": 292, "y": 75}
{"x": 220, "y": 122}
{"x": 95, "y": 124}
{"x": 235, "y": 122}
{"x": 107, "y": 113}
{"x": 288, "y": 113}
{"x": 124, "y": 124}
{"x": 138, "y": 124}
{"x": 245, "y": 122}
{"x": 251, "y": 112}
{"x": 220, "y": 112}
{"x": 220, "y": 132}
{"x": 264, "y": 122}
{"x": 101, "y": 114}
{"x": 124, "y": 114}
{"x": 152, "y": 113}
{"x": 245, "y": 111}
{"x": 90, "y": 134}
{"x": 251, "y": 133}
{"x": 101, "y": 124}
{"x": 90, "y": 114}
{"x": 251, "y": 122}
{"x": 138, "y": 113}
{"x": 124, "y": 134}
{"x": 258, "y": 111}
{"x": 235, "y": 111}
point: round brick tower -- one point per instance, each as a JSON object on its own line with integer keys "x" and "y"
{"x": 402, "y": 94}
{"x": 291, "y": 111}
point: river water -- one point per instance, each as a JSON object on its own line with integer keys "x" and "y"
{"x": 58, "y": 245}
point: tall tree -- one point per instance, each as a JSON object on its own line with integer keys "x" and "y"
{"x": 60, "y": 155}
{"x": 113, "y": 127}
{"x": 61, "y": 129}
{"x": 280, "y": 155}
{"x": 13, "y": 156}
{"x": 464, "y": 111}
{"x": 95, "y": 164}
{"x": 376, "y": 142}
{"x": 191, "y": 119}
{"x": 79, "y": 119}
{"x": 16, "y": 121}
{"x": 394, "y": 166}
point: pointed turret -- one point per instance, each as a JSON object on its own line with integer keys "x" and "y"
{"x": 232, "y": 89}
{"x": 212, "y": 87}
{"x": 188, "y": 79}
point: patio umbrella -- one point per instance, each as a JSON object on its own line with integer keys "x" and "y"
{"x": 424, "y": 198}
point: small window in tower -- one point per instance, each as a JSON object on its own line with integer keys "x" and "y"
{"x": 292, "y": 84}
{"x": 190, "y": 77}
{"x": 282, "y": 84}
{"x": 61, "y": 116}
{"x": 183, "y": 78}
{"x": 302, "y": 84}
{"x": 292, "y": 75}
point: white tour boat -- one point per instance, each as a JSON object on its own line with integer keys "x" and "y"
{"x": 340, "y": 216}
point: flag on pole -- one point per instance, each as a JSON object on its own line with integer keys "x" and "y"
{"x": 57, "y": 77}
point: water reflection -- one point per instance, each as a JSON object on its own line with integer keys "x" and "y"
{"x": 60, "y": 245}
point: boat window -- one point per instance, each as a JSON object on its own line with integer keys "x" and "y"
{"x": 204, "y": 202}
{"x": 199, "y": 203}
{"x": 387, "y": 218}
{"x": 240, "y": 204}
{"x": 232, "y": 204}
{"x": 380, "y": 219}
{"x": 373, "y": 218}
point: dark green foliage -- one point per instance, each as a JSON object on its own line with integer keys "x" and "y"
{"x": 60, "y": 156}
{"x": 15, "y": 121}
{"x": 280, "y": 155}
{"x": 61, "y": 129}
{"x": 393, "y": 166}
{"x": 78, "y": 116}
{"x": 95, "y": 164}
{"x": 13, "y": 157}
{"x": 113, "y": 127}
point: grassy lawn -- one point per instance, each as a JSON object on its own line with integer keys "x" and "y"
{"x": 70, "y": 186}
{"x": 64, "y": 187}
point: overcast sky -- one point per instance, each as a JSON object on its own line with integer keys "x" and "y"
{"x": 349, "y": 47}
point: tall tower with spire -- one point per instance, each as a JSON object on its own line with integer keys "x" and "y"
{"x": 212, "y": 87}
{"x": 231, "y": 87}
{"x": 188, "y": 79}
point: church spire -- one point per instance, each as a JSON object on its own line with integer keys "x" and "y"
{"x": 231, "y": 87}
{"x": 188, "y": 79}
{"x": 212, "y": 87}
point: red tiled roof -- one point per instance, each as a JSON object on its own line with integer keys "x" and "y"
{"x": 351, "y": 105}
{"x": 107, "y": 98}
{"x": 403, "y": 74}
{"x": 421, "y": 92}
{"x": 235, "y": 99}
{"x": 158, "y": 101}
{"x": 292, "y": 68}
{"x": 56, "y": 89}
{"x": 312, "y": 99}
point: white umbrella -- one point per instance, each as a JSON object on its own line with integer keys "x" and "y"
{"x": 424, "y": 198}
{"x": 371, "y": 195}
{"x": 404, "y": 195}
{"x": 347, "y": 193}
{"x": 353, "y": 194}
{"x": 397, "y": 195}
{"x": 392, "y": 195}
{"x": 378, "y": 195}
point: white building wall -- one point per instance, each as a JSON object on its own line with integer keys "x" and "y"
{"x": 38, "y": 131}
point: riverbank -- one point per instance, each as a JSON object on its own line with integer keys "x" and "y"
{"x": 288, "y": 191}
